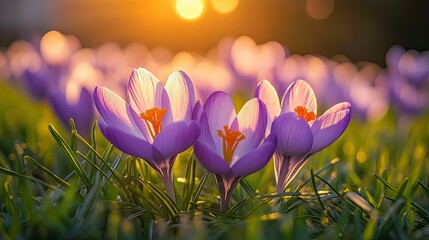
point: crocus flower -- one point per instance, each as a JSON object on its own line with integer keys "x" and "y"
{"x": 53, "y": 54}
{"x": 230, "y": 144}
{"x": 299, "y": 132}
{"x": 79, "y": 107}
{"x": 408, "y": 74}
{"x": 154, "y": 124}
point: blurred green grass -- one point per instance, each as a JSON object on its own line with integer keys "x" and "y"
{"x": 371, "y": 183}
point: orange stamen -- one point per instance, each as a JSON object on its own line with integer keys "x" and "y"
{"x": 153, "y": 119}
{"x": 231, "y": 139}
{"x": 303, "y": 112}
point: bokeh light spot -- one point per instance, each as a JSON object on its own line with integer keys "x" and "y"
{"x": 361, "y": 156}
{"x": 190, "y": 9}
{"x": 319, "y": 9}
{"x": 224, "y": 6}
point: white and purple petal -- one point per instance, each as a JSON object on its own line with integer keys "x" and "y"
{"x": 181, "y": 95}
{"x": 268, "y": 94}
{"x": 220, "y": 112}
{"x": 199, "y": 115}
{"x": 252, "y": 122}
{"x": 144, "y": 91}
{"x": 299, "y": 93}
{"x": 116, "y": 112}
{"x": 329, "y": 127}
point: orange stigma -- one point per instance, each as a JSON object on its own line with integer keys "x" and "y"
{"x": 231, "y": 139}
{"x": 303, "y": 112}
{"x": 153, "y": 119}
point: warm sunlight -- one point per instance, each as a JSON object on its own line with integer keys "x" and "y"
{"x": 190, "y": 9}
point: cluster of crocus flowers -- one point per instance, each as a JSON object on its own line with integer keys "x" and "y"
{"x": 154, "y": 123}
{"x": 299, "y": 132}
{"x": 157, "y": 123}
{"x": 232, "y": 145}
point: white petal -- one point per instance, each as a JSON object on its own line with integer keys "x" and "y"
{"x": 181, "y": 94}
{"x": 268, "y": 95}
{"x": 299, "y": 93}
{"x": 144, "y": 91}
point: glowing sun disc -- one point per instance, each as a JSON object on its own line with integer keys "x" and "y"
{"x": 190, "y": 9}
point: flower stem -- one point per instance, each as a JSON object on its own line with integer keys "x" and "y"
{"x": 226, "y": 186}
{"x": 281, "y": 169}
{"x": 167, "y": 178}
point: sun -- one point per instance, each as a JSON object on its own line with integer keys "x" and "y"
{"x": 190, "y": 9}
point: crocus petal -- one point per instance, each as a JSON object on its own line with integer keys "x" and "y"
{"x": 210, "y": 159}
{"x": 116, "y": 112}
{"x": 83, "y": 113}
{"x": 197, "y": 111}
{"x": 294, "y": 136}
{"x": 128, "y": 143}
{"x": 144, "y": 91}
{"x": 254, "y": 160}
{"x": 181, "y": 94}
{"x": 329, "y": 127}
{"x": 268, "y": 94}
{"x": 176, "y": 138}
{"x": 252, "y": 122}
{"x": 220, "y": 112}
{"x": 299, "y": 93}
{"x": 200, "y": 116}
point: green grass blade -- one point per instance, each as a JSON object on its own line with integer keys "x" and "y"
{"x": 315, "y": 189}
{"x": 73, "y": 137}
{"x": 33, "y": 179}
{"x": 246, "y": 186}
{"x": 118, "y": 176}
{"x": 189, "y": 185}
{"x": 425, "y": 188}
{"x": 98, "y": 169}
{"x": 200, "y": 187}
{"x": 51, "y": 174}
{"x": 71, "y": 156}
{"x": 326, "y": 166}
{"x": 386, "y": 183}
{"x": 401, "y": 188}
{"x": 336, "y": 192}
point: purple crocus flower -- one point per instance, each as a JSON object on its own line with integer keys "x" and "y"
{"x": 408, "y": 74}
{"x": 80, "y": 109}
{"x": 230, "y": 144}
{"x": 299, "y": 133}
{"x": 155, "y": 124}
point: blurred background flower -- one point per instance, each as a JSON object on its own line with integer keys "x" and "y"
{"x": 347, "y": 51}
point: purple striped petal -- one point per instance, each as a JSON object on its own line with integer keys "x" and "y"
{"x": 197, "y": 111}
{"x": 210, "y": 159}
{"x": 252, "y": 122}
{"x": 220, "y": 112}
{"x": 116, "y": 112}
{"x": 294, "y": 136}
{"x": 299, "y": 93}
{"x": 144, "y": 91}
{"x": 200, "y": 116}
{"x": 329, "y": 127}
{"x": 176, "y": 138}
{"x": 181, "y": 94}
{"x": 268, "y": 94}
{"x": 254, "y": 160}
{"x": 130, "y": 144}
